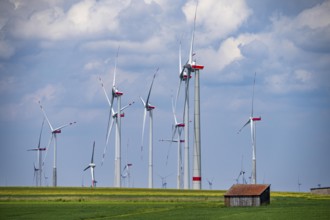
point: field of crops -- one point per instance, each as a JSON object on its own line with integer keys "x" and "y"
{"x": 121, "y": 203}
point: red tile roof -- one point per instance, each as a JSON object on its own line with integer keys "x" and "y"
{"x": 247, "y": 189}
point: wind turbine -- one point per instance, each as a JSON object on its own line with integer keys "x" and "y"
{"x": 179, "y": 160}
{"x": 252, "y": 120}
{"x": 92, "y": 167}
{"x": 184, "y": 76}
{"x": 54, "y": 132}
{"x": 163, "y": 178}
{"x": 126, "y": 171}
{"x": 35, "y": 174}
{"x": 113, "y": 116}
{"x": 210, "y": 182}
{"x": 190, "y": 67}
{"x": 149, "y": 108}
{"x": 38, "y": 171}
{"x": 178, "y": 127}
{"x": 241, "y": 173}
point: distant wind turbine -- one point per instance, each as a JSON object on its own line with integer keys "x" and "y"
{"x": 39, "y": 150}
{"x": 177, "y": 131}
{"x": 210, "y": 182}
{"x": 252, "y": 120}
{"x": 299, "y": 184}
{"x": 35, "y": 174}
{"x": 241, "y": 174}
{"x": 54, "y": 132}
{"x": 92, "y": 167}
{"x": 149, "y": 108}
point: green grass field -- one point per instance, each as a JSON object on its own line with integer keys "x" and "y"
{"x": 112, "y": 203}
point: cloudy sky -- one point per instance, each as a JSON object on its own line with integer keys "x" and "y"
{"x": 55, "y": 50}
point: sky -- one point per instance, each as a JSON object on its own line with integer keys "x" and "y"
{"x": 55, "y": 51}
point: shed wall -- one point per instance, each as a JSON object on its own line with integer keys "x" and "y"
{"x": 242, "y": 201}
{"x": 321, "y": 191}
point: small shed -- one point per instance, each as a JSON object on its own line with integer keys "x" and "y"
{"x": 321, "y": 190}
{"x": 248, "y": 195}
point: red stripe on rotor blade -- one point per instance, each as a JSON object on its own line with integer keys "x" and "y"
{"x": 256, "y": 119}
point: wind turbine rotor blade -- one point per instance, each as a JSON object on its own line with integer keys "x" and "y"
{"x": 105, "y": 92}
{"x": 42, "y": 125}
{"x": 109, "y": 130}
{"x": 143, "y": 127}
{"x": 193, "y": 37}
{"x": 110, "y": 119}
{"x": 43, "y": 111}
{"x": 248, "y": 122}
{"x": 92, "y": 160}
{"x": 66, "y": 125}
{"x": 126, "y": 106}
{"x": 106, "y": 143}
{"x": 49, "y": 143}
{"x": 144, "y": 104}
{"x": 115, "y": 70}
{"x": 168, "y": 153}
{"x": 177, "y": 94}
{"x": 180, "y": 61}
{"x": 147, "y": 101}
{"x": 185, "y": 99}
{"x": 173, "y": 110}
{"x": 87, "y": 168}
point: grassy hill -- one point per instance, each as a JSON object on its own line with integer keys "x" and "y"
{"x": 123, "y": 203}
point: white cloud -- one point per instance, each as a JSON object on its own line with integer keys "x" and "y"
{"x": 228, "y": 53}
{"x": 217, "y": 18}
{"x": 81, "y": 20}
{"x": 316, "y": 17}
{"x": 47, "y": 93}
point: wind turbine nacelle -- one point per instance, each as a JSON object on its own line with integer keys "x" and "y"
{"x": 42, "y": 149}
{"x": 185, "y": 77}
{"x": 57, "y": 131}
{"x": 256, "y": 119}
{"x": 181, "y": 141}
{"x": 92, "y": 165}
{"x": 150, "y": 107}
{"x": 181, "y": 125}
{"x": 197, "y": 67}
{"x": 117, "y": 93}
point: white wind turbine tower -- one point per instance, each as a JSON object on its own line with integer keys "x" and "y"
{"x": 92, "y": 167}
{"x": 252, "y": 121}
{"x": 149, "y": 108}
{"x": 38, "y": 171}
{"x": 115, "y": 93}
{"x": 54, "y": 132}
{"x": 191, "y": 66}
